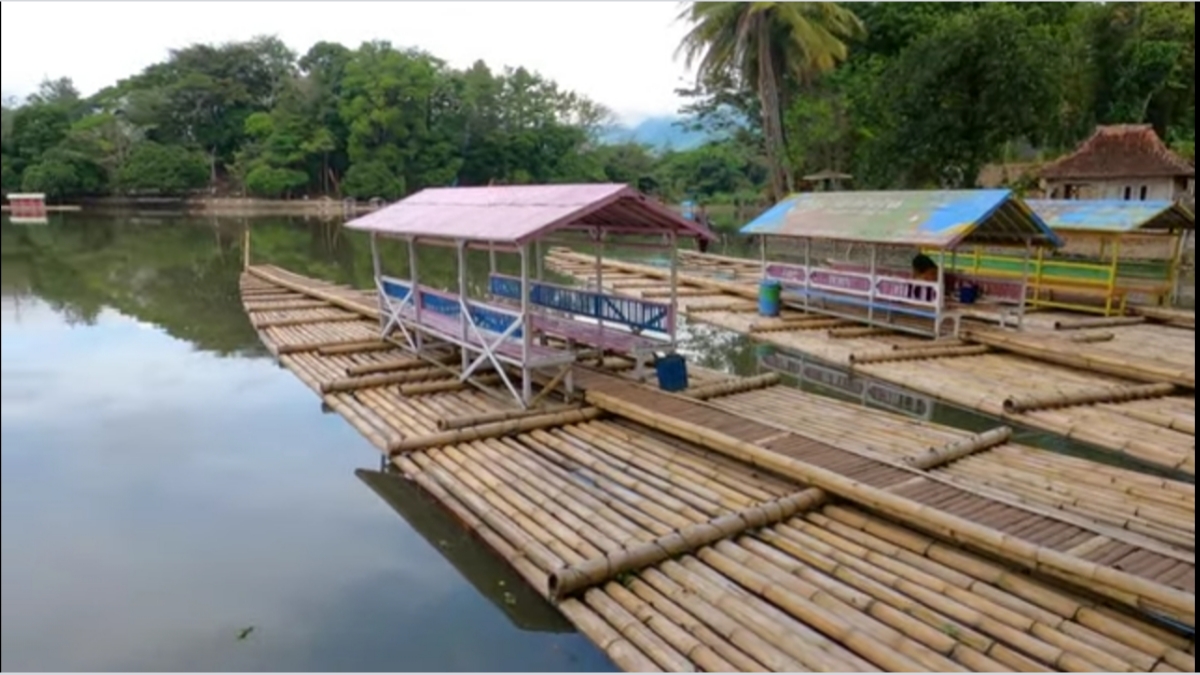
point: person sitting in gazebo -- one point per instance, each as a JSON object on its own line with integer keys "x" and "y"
{"x": 923, "y": 269}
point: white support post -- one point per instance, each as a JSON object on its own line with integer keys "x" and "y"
{"x": 674, "y": 287}
{"x": 464, "y": 317}
{"x": 1024, "y": 280}
{"x": 491, "y": 259}
{"x": 871, "y": 296}
{"x": 539, "y": 262}
{"x": 526, "y": 326}
{"x": 1175, "y": 273}
{"x": 807, "y": 272}
{"x": 940, "y": 294}
{"x": 762, "y": 253}
{"x": 598, "y": 236}
{"x": 418, "y": 337}
{"x": 377, "y": 267}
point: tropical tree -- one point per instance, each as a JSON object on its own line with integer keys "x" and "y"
{"x": 767, "y": 45}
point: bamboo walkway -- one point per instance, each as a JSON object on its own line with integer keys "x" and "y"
{"x": 1004, "y": 375}
{"x": 672, "y": 555}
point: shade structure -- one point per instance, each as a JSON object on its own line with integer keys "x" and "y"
{"x": 1113, "y": 216}
{"x": 939, "y": 219}
{"x": 520, "y": 214}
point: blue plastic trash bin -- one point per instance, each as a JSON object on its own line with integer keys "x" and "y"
{"x": 770, "y": 292}
{"x": 672, "y": 372}
{"x": 968, "y": 294}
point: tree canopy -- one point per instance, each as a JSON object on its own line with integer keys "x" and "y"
{"x": 899, "y": 95}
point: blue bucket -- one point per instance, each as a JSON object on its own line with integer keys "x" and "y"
{"x": 672, "y": 372}
{"x": 968, "y": 294}
{"x": 770, "y": 293}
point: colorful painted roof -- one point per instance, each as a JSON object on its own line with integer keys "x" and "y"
{"x": 1120, "y": 151}
{"x": 1111, "y": 215}
{"x": 519, "y": 214}
{"x": 941, "y": 219}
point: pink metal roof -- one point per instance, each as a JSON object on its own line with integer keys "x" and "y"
{"x": 519, "y": 214}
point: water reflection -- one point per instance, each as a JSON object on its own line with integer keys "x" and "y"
{"x": 164, "y": 487}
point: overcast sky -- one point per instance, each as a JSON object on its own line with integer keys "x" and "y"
{"x": 618, "y": 53}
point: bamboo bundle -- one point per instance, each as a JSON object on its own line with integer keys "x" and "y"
{"x": 782, "y": 323}
{"x": 1145, "y": 370}
{"x": 391, "y": 365}
{"x": 499, "y": 416}
{"x": 596, "y": 571}
{"x": 918, "y": 354}
{"x": 1098, "y": 322}
{"x": 808, "y": 324}
{"x": 725, "y": 307}
{"x": 679, "y": 293}
{"x": 1111, "y": 582}
{"x": 364, "y": 347}
{"x": 382, "y": 379}
{"x": 858, "y": 332}
{"x": 952, "y": 452}
{"x": 1108, "y": 395}
{"x": 1170, "y": 316}
{"x": 453, "y": 383}
{"x": 737, "y": 386}
{"x": 283, "y": 305}
{"x": 1092, "y": 337}
{"x": 494, "y": 429}
{"x": 314, "y": 346}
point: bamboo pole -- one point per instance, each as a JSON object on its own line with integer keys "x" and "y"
{"x": 1111, "y": 582}
{"x": 952, "y": 452}
{"x": 283, "y": 305}
{"x": 305, "y": 321}
{"x": 724, "y": 307}
{"x": 596, "y": 571}
{"x": 1015, "y": 404}
{"x": 382, "y": 379}
{"x": 364, "y": 347}
{"x": 448, "y": 385}
{"x": 858, "y": 332}
{"x": 403, "y": 363}
{"x": 1099, "y": 322}
{"x": 495, "y": 429}
{"x": 917, "y": 354}
{"x": 738, "y": 386}
{"x": 1092, "y": 337}
{"x": 795, "y": 325}
{"x": 499, "y": 416}
{"x": 1144, "y": 370}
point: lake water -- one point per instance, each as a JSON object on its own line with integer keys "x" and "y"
{"x": 173, "y": 500}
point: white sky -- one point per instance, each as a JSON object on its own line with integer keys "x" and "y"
{"x": 620, "y": 54}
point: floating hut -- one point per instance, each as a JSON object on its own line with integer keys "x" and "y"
{"x": 875, "y": 295}
{"x": 513, "y": 329}
{"x": 28, "y": 208}
{"x": 1113, "y": 249}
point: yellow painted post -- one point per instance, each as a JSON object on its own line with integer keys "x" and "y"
{"x": 1112, "y": 278}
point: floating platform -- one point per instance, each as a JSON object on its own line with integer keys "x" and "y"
{"x": 679, "y": 535}
{"x": 1078, "y": 377}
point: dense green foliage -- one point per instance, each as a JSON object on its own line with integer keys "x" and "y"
{"x": 923, "y": 95}
{"x": 935, "y": 90}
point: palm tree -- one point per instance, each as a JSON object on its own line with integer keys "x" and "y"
{"x": 759, "y": 43}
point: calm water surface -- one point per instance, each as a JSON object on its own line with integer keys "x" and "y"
{"x": 173, "y": 500}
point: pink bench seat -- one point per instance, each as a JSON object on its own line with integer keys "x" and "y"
{"x": 595, "y": 335}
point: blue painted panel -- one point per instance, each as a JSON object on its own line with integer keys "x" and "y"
{"x": 632, "y": 312}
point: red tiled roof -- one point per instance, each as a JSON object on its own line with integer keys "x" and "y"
{"x": 1120, "y": 151}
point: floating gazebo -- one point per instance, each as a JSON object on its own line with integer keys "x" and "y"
{"x": 513, "y": 328}
{"x": 1113, "y": 249}
{"x": 942, "y": 221}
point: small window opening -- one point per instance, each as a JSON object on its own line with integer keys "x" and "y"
{"x": 1145, "y": 192}
{"x": 1128, "y": 192}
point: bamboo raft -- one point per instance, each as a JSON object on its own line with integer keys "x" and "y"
{"x": 1158, "y": 431}
{"x": 764, "y": 572}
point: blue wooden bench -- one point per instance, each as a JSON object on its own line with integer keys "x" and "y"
{"x": 633, "y": 314}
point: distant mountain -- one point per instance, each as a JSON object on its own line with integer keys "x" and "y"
{"x": 660, "y": 133}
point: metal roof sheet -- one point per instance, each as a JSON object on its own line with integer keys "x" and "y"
{"x": 1111, "y": 215}
{"x": 936, "y": 218}
{"x": 519, "y": 214}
